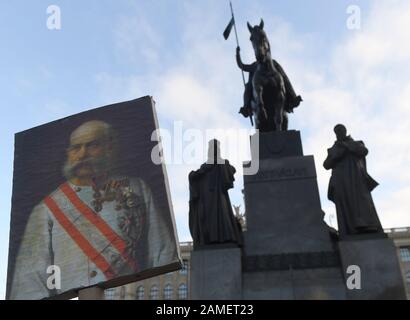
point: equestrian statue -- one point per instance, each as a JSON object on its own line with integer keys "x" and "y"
{"x": 269, "y": 95}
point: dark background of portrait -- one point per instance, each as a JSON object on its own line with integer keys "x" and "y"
{"x": 40, "y": 154}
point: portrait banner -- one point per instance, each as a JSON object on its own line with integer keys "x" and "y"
{"x": 89, "y": 205}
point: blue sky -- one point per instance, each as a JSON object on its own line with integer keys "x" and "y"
{"x": 109, "y": 51}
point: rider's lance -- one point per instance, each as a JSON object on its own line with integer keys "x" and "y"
{"x": 226, "y": 34}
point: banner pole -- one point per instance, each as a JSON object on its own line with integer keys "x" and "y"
{"x": 93, "y": 293}
{"x": 237, "y": 39}
{"x": 237, "y": 43}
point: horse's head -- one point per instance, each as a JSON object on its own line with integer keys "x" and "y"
{"x": 259, "y": 41}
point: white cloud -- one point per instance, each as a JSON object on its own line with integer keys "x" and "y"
{"x": 395, "y": 208}
{"x": 137, "y": 40}
{"x": 362, "y": 83}
{"x": 367, "y": 88}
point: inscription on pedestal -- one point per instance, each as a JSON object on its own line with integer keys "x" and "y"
{"x": 278, "y": 174}
{"x": 283, "y": 209}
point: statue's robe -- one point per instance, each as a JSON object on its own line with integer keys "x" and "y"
{"x": 211, "y": 218}
{"x": 350, "y": 188}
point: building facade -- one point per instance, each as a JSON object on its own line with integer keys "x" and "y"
{"x": 401, "y": 238}
{"x": 175, "y": 285}
{"x": 169, "y": 286}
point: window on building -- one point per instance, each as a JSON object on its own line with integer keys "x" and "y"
{"x": 184, "y": 269}
{"x": 140, "y": 293}
{"x": 408, "y": 278}
{"x": 109, "y": 294}
{"x": 405, "y": 254}
{"x": 168, "y": 292}
{"x": 153, "y": 295}
{"x": 183, "y": 292}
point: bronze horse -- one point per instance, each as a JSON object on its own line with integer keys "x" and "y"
{"x": 269, "y": 94}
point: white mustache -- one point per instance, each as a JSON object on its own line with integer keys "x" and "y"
{"x": 87, "y": 162}
{"x": 99, "y": 165}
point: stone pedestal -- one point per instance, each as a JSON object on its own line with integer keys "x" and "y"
{"x": 289, "y": 253}
{"x": 283, "y": 211}
{"x": 216, "y": 273}
{"x": 273, "y": 145}
{"x": 380, "y": 273}
{"x": 304, "y": 284}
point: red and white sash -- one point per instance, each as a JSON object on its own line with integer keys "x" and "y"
{"x": 93, "y": 224}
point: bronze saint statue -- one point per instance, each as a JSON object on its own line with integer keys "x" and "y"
{"x": 350, "y": 186}
{"x": 269, "y": 95}
{"x": 211, "y": 218}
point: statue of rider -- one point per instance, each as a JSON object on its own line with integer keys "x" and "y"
{"x": 291, "y": 99}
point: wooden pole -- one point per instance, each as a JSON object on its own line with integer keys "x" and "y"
{"x": 93, "y": 293}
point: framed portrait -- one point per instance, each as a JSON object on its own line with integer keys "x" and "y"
{"x": 90, "y": 207}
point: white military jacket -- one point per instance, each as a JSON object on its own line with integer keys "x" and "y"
{"x": 88, "y": 245}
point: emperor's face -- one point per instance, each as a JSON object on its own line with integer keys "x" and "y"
{"x": 89, "y": 152}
